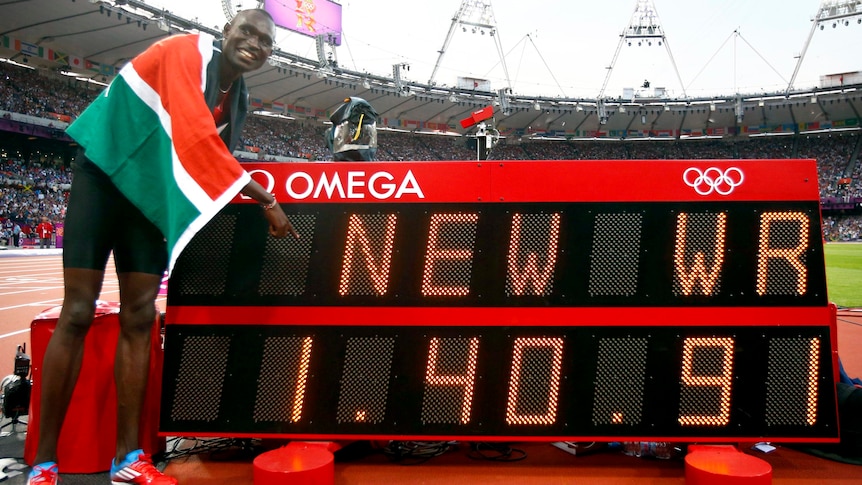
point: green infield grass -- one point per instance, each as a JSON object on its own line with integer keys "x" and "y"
{"x": 844, "y": 273}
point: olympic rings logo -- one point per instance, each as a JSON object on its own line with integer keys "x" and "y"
{"x": 713, "y": 180}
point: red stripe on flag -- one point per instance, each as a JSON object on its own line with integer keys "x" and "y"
{"x": 197, "y": 143}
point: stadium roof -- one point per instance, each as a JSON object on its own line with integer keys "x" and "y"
{"x": 94, "y": 38}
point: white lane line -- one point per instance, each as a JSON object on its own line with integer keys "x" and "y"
{"x": 45, "y": 302}
{"x": 26, "y": 330}
{"x": 107, "y": 284}
{"x": 12, "y": 334}
{"x": 31, "y": 290}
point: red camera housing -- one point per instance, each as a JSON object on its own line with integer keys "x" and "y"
{"x": 478, "y": 116}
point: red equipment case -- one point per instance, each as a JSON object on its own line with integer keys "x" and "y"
{"x": 88, "y": 438}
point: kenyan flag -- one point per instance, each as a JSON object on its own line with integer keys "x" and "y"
{"x": 153, "y": 134}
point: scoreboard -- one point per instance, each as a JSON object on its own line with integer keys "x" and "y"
{"x": 491, "y": 300}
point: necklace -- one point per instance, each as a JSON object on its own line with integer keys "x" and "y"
{"x": 223, "y": 91}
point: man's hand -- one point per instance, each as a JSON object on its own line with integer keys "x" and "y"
{"x": 279, "y": 224}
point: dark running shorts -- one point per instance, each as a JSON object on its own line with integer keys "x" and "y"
{"x": 99, "y": 219}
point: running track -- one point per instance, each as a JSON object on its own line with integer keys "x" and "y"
{"x": 31, "y": 281}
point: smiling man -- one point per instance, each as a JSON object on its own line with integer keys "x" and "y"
{"x": 155, "y": 165}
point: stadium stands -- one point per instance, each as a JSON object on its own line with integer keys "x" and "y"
{"x": 35, "y": 174}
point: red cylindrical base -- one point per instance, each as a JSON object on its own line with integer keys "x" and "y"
{"x": 298, "y": 463}
{"x": 722, "y": 464}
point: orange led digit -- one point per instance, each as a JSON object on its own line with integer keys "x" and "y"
{"x": 813, "y": 372}
{"x": 465, "y": 380}
{"x": 530, "y": 274}
{"x": 437, "y": 254}
{"x": 793, "y": 392}
{"x": 281, "y": 354}
{"x": 788, "y": 245}
{"x": 687, "y": 277}
{"x": 516, "y": 396}
{"x": 302, "y": 378}
{"x": 722, "y": 379}
{"x": 359, "y": 242}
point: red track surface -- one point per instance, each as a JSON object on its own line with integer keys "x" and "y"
{"x": 29, "y": 285}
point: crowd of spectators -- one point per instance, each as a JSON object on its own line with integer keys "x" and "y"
{"x": 29, "y": 190}
{"x": 281, "y": 137}
{"x": 35, "y": 93}
{"x": 35, "y": 185}
{"x": 842, "y": 228}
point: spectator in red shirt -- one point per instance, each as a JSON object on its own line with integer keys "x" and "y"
{"x": 44, "y": 230}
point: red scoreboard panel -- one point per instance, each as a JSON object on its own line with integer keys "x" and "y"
{"x": 537, "y": 300}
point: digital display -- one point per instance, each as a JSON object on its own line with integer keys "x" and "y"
{"x": 513, "y": 255}
{"x": 308, "y": 17}
{"x": 456, "y": 299}
{"x": 672, "y": 381}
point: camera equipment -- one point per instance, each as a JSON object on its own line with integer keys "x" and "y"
{"x": 15, "y": 389}
{"x": 486, "y": 136}
{"x": 22, "y": 362}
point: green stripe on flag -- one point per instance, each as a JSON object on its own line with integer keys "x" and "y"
{"x": 138, "y": 160}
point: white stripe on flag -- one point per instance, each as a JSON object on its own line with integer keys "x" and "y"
{"x": 207, "y": 213}
{"x": 190, "y": 188}
{"x": 205, "y": 47}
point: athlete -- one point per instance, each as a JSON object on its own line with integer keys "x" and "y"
{"x": 101, "y": 216}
